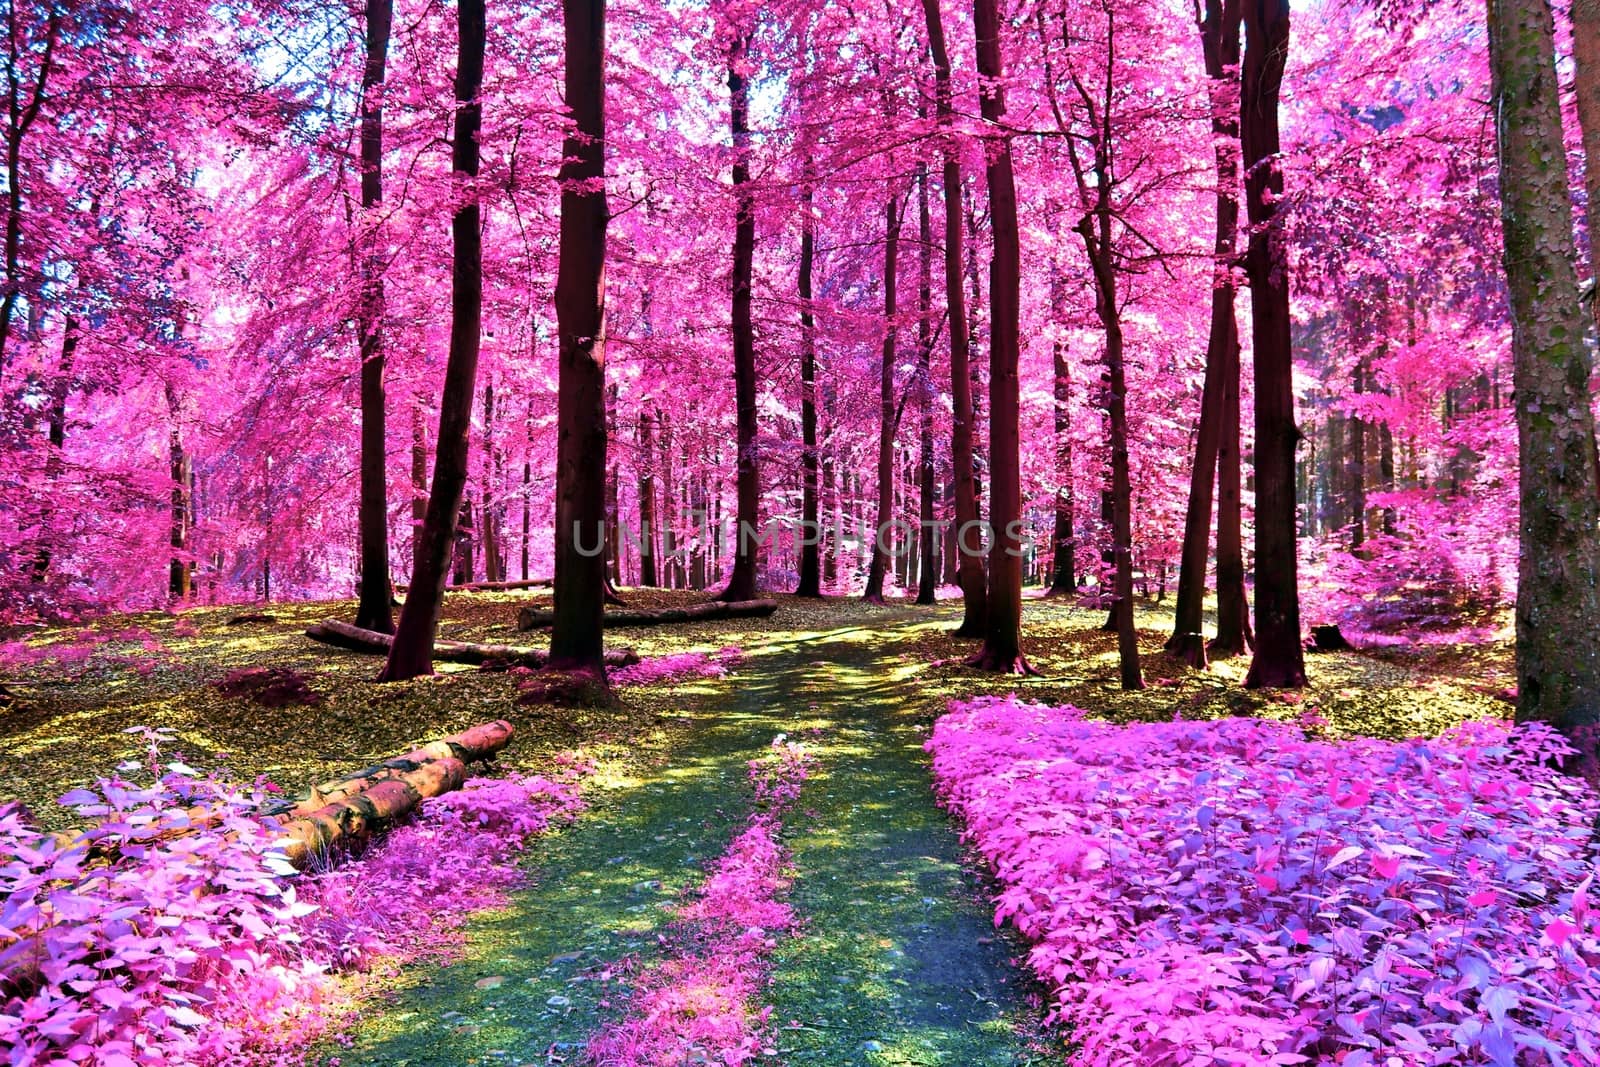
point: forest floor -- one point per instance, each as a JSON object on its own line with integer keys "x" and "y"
{"x": 896, "y": 961}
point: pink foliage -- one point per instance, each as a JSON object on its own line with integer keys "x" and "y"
{"x": 1232, "y": 892}
{"x": 696, "y": 1006}
{"x": 678, "y": 667}
{"x": 206, "y": 948}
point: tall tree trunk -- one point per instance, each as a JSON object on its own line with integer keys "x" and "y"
{"x": 492, "y": 571}
{"x": 1558, "y": 587}
{"x": 877, "y": 570}
{"x": 1586, "y": 61}
{"x": 1002, "y": 638}
{"x": 1358, "y": 467}
{"x": 927, "y": 542}
{"x": 673, "y": 576}
{"x": 1063, "y": 563}
{"x": 1219, "y": 35}
{"x": 742, "y": 582}
{"x": 419, "y": 481}
{"x": 20, "y": 116}
{"x": 1233, "y": 607}
{"x": 181, "y": 567}
{"x": 373, "y": 610}
{"x": 411, "y": 654}
{"x": 60, "y": 389}
{"x": 969, "y": 553}
{"x": 1279, "y": 660}
{"x": 577, "y": 639}
{"x": 527, "y": 493}
{"x": 647, "y": 502}
{"x": 613, "y": 539}
{"x": 810, "y": 583}
{"x": 1096, "y": 231}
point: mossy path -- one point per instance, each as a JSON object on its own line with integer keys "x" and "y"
{"x": 897, "y": 962}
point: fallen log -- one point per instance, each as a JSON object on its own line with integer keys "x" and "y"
{"x": 338, "y": 824}
{"x": 538, "y": 618}
{"x": 355, "y": 639}
{"x": 473, "y": 745}
{"x": 333, "y": 815}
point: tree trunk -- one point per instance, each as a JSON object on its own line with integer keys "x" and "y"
{"x": 1558, "y": 606}
{"x": 180, "y": 568}
{"x": 647, "y": 502}
{"x": 1063, "y": 563}
{"x": 1233, "y": 606}
{"x": 373, "y": 609}
{"x": 810, "y": 582}
{"x": 493, "y": 549}
{"x": 878, "y": 569}
{"x": 419, "y": 481}
{"x": 1002, "y": 639}
{"x": 60, "y": 388}
{"x": 742, "y": 582}
{"x": 969, "y": 553}
{"x": 1358, "y": 468}
{"x": 577, "y": 640}
{"x": 21, "y": 114}
{"x": 1279, "y": 656}
{"x": 412, "y": 652}
{"x": 928, "y": 543}
{"x": 1219, "y": 34}
{"x": 672, "y": 565}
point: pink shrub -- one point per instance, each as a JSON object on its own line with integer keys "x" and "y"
{"x": 205, "y": 948}
{"x": 1231, "y": 892}
{"x": 678, "y": 666}
{"x": 697, "y": 1005}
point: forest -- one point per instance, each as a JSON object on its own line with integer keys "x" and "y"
{"x": 978, "y": 533}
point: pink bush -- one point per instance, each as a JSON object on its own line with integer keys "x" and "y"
{"x": 678, "y": 666}
{"x": 1231, "y": 892}
{"x": 205, "y": 948}
{"x": 696, "y": 1006}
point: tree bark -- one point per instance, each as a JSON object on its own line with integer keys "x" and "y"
{"x": 373, "y": 611}
{"x": 1002, "y": 638}
{"x": 412, "y": 652}
{"x": 419, "y": 481}
{"x": 742, "y": 582}
{"x": 1279, "y": 660}
{"x": 877, "y": 570}
{"x": 1558, "y": 605}
{"x": 969, "y": 555}
{"x": 1233, "y": 607}
{"x": 577, "y": 640}
{"x": 1219, "y": 35}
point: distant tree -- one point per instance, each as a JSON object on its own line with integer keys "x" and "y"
{"x": 372, "y": 611}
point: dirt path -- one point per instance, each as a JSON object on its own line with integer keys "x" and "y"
{"x": 897, "y": 964}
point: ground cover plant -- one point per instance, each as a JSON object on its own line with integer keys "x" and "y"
{"x": 1236, "y": 892}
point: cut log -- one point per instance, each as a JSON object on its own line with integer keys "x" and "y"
{"x": 538, "y": 618}
{"x": 343, "y": 822}
{"x": 343, "y": 635}
{"x": 254, "y": 616}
